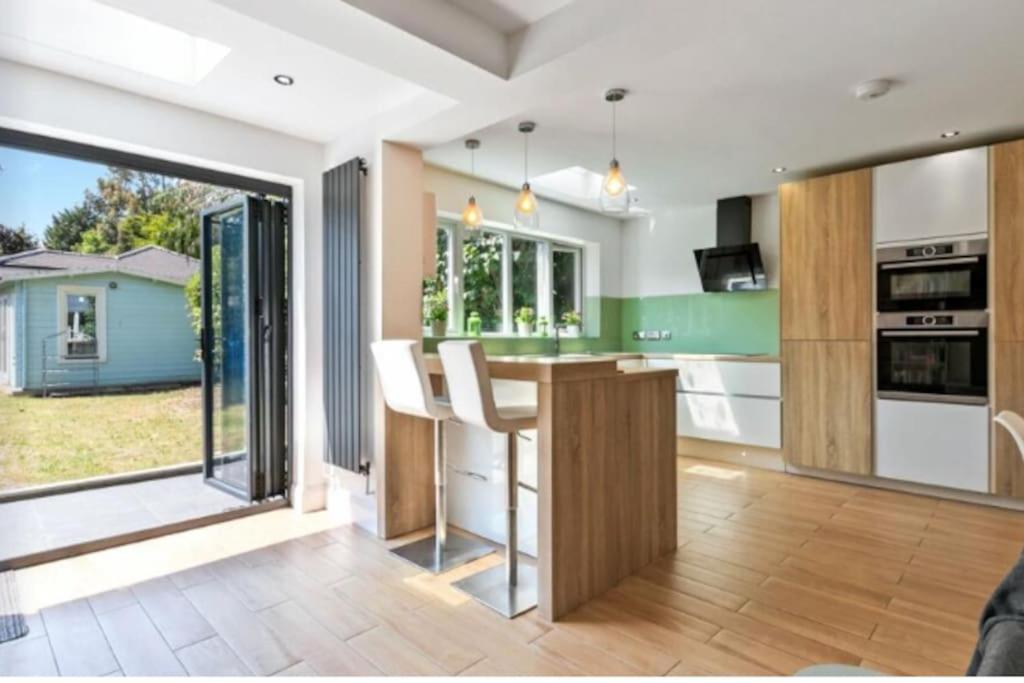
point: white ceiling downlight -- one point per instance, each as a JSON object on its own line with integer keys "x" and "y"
{"x": 779, "y": 169}
{"x": 949, "y": 134}
{"x": 873, "y": 89}
{"x": 89, "y": 29}
{"x": 284, "y": 79}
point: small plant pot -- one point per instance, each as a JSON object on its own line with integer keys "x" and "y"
{"x": 572, "y": 330}
{"x": 438, "y": 327}
{"x": 524, "y": 329}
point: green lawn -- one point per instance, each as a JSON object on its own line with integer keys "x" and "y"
{"x": 49, "y": 440}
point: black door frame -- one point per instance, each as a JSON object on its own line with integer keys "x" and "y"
{"x": 33, "y": 142}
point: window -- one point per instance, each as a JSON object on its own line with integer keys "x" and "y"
{"x": 81, "y": 323}
{"x": 482, "y": 256}
{"x": 495, "y": 272}
{"x": 565, "y": 281}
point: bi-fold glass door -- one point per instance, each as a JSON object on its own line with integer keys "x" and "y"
{"x": 244, "y": 336}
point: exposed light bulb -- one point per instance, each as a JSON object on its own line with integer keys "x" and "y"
{"x": 614, "y": 183}
{"x": 472, "y": 216}
{"x": 526, "y": 214}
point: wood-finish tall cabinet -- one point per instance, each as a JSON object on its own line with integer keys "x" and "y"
{"x": 826, "y": 313}
{"x": 1006, "y": 250}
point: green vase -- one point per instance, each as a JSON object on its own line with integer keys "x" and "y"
{"x": 474, "y": 325}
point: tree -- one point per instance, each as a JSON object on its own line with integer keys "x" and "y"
{"x": 16, "y": 240}
{"x": 67, "y": 227}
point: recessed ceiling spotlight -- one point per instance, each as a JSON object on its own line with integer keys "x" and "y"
{"x": 284, "y": 79}
{"x": 779, "y": 169}
{"x": 950, "y": 134}
{"x": 873, "y": 89}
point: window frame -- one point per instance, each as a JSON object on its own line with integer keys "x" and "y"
{"x": 452, "y": 224}
{"x": 100, "y": 294}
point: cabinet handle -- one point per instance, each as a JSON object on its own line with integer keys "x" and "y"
{"x": 471, "y": 475}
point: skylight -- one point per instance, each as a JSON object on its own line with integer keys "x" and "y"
{"x": 89, "y": 29}
{"x": 574, "y": 182}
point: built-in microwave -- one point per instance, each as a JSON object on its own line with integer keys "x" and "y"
{"x": 938, "y": 276}
{"x": 933, "y": 356}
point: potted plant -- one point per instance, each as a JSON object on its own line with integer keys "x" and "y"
{"x": 542, "y": 326}
{"x": 572, "y": 321}
{"x": 524, "y": 321}
{"x": 435, "y": 307}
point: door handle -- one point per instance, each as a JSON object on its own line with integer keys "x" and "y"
{"x": 468, "y": 473}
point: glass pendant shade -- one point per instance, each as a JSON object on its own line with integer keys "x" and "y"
{"x": 472, "y": 216}
{"x": 526, "y": 215}
{"x": 614, "y": 190}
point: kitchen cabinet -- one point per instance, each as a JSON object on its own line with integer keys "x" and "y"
{"x": 944, "y": 195}
{"x": 941, "y": 444}
{"x": 1006, "y": 245}
{"x": 730, "y": 401}
{"x": 1007, "y": 394}
{"x": 827, "y": 405}
{"x": 826, "y": 257}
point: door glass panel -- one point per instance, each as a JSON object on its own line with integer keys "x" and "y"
{"x": 228, "y": 295}
{"x": 80, "y": 326}
{"x": 931, "y": 284}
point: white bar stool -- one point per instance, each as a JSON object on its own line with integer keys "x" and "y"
{"x": 510, "y": 590}
{"x": 407, "y": 389}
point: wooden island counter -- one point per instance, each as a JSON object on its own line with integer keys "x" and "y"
{"x": 606, "y": 471}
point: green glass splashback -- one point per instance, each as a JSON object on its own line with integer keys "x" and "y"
{"x": 734, "y": 322}
{"x": 737, "y": 322}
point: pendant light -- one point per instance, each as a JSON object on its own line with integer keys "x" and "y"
{"x": 614, "y": 189}
{"x": 472, "y": 216}
{"x": 526, "y": 214}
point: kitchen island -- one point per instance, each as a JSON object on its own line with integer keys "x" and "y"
{"x": 606, "y": 470}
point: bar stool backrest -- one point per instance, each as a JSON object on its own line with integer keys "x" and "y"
{"x": 469, "y": 385}
{"x": 404, "y": 379}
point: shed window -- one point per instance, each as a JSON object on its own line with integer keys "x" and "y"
{"x": 82, "y": 314}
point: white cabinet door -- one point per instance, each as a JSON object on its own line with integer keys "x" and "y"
{"x": 736, "y": 419}
{"x": 945, "y": 195}
{"x": 731, "y": 377}
{"x": 942, "y": 444}
{"x": 476, "y": 484}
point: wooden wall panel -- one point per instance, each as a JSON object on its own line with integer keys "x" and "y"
{"x": 826, "y": 257}
{"x": 1007, "y": 463}
{"x": 1007, "y": 244}
{"x": 826, "y": 405}
{"x": 607, "y": 482}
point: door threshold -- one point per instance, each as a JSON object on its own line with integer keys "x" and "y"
{"x": 86, "y": 547}
{"x": 102, "y": 481}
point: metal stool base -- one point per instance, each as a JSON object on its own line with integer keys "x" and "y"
{"x": 491, "y": 588}
{"x": 457, "y": 552}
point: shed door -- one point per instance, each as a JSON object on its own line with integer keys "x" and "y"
{"x": 244, "y": 347}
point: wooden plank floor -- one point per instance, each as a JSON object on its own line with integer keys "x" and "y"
{"x": 774, "y": 572}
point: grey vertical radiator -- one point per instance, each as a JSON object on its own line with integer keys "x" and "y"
{"x": 343, "y": 204}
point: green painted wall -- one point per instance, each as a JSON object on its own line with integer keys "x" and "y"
{"x": 734, "y": 322}
{"x": 738, "y": 322}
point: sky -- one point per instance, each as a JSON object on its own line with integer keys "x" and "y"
{"x": 33, "y": 187}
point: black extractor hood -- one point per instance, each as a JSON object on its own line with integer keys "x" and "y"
{"x": 734, "y": 264}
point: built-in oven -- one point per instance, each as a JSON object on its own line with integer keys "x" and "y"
{"x": 928, "y": 356}
{"x": 938, "y": 276}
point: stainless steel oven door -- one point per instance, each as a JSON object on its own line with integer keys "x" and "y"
{"x": 948, "y": 364}
{"x": 950, "y": 276}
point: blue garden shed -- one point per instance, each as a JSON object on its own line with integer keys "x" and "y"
{"x": 76, "y": 322}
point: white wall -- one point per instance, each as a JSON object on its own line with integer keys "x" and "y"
{"x": 453, "y": 189}
{"x": 47, "y": 103}
{"x": 657, "y": 251}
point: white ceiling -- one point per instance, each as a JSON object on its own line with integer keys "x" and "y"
{"x": 748, "y": 86}
{"x": 331, "y": 94}
{"x": 509, "y": 16}
{"x": 722, "y": 91}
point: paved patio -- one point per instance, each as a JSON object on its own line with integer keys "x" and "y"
{"x": 41, "y": 524}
